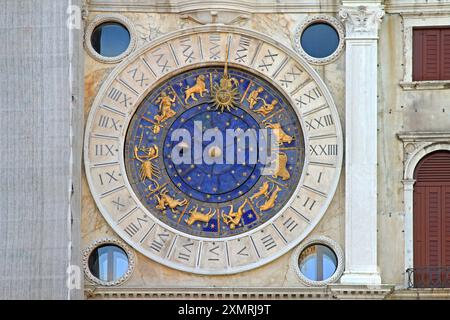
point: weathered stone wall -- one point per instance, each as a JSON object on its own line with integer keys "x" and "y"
{"x": 399, "y": 110}
{"x": 38, "y": 242}
{"x": 149, "y": 273}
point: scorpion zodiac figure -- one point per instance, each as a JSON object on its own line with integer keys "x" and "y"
{"x": 148, "y": 169}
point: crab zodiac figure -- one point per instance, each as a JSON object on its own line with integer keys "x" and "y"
{"x": 148, "y": 169}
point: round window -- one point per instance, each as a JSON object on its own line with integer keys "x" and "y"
{"x": 108, "y": 263}
{"x": 110, "y": 39}
{"x": 317, "y": 262}
{"x": 320, "y": 40}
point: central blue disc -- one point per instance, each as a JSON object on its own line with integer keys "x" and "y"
{"x": 220, "y": 181}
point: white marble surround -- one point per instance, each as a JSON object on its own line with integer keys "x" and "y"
{"x": 362, "y": 23}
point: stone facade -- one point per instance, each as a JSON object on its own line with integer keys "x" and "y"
{"x": 375, "y": 250}
{"x": 370, "y": 81}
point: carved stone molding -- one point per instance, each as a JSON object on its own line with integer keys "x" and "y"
{"x": 199, "y": 18}
{"x": 320, "y": 240}
{"x": 99, "y": 19}
{"x": 416, "y": 145}
{"x": 105, "y": 241}
{"x": 332, "y": 291}
{"x": 296, "y": 39}
{"x": 362, "y": 21}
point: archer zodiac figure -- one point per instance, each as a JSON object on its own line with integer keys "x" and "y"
{"x": 233, "y": 218}
{"x": 165, "y": 111}
{"x": 253, "y": 97}
{"x": 164, "y": 200}
{"x": 148, "y": 169}
{"x": 196, "y": 215}
{"x": 199, "y": 88}
{"x": 266, "y": 108}
{"x": 272, "y": 199}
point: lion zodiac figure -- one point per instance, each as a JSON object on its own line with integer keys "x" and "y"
{"x": 199, "y": 88}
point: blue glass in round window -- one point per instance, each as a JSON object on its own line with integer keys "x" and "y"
{"x": 108, "y": 263}
{"x": 319, "y": 40}
{"x": 110, "y": 39}
{"x": 317, "y": 262}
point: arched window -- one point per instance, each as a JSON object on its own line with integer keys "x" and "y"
{"x": 431, "y": 224}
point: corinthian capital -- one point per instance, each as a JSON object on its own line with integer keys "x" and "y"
{"x": 362, "y": 21}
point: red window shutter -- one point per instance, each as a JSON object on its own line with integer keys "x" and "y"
{"x": 446, "y": 226}
{"x": 427, "y": 53}
{"x": 431, "y": 54}
{"x": 445, "y": 54}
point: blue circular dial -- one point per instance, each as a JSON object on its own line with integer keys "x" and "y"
{"x": 214, "y": 152}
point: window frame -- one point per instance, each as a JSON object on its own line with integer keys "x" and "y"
{"x": 104, "y": 242}
{"x": 411, "y": 21}
{"x": 318, "y": 240}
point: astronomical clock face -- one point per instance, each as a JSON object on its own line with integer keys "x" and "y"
{"x": 214, "y": 151}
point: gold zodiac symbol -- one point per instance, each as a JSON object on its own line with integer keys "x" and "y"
{"x": 253, "y": 97}
{"x": 164, "y": 200}
{"x": 280, "y": 167}
{"x": 165, "y": 111}
{"x": 263, "y": 191}
{"x": 266, "y": 108}
{"x": 196, "y": 215}
{"x": 233, "y": 218}
{"x": 225, "y": 95}
{"x": 199, "y": 88}
{"x": 148, "y": 169}
{"x": 272, "y": 199}
{"x": 279, "y": 133}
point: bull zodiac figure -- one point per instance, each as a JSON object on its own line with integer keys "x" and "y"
{"x": 281, "y": 136}
{"x": 148, "y": 169}
{"x": 196, "y": 215}
{"x": 164, "y": 200}
{"x": 199, "y": 88}
{"x": 233, "y": 218}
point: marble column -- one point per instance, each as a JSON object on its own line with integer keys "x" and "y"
{"x": 362, "y": 19}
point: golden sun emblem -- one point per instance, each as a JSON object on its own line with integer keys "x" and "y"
{"x": 225, "y": 95}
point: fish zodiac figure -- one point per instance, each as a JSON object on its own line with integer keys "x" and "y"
{"x": 148, "y": 169}
{"x": 196, "y": 215}
{"x": 233, "y": 218}
{"x": 164, "y": 200}
{"x": 272, "y": 199}
{"x": 263, "y": 191}
{"x": 199, "y": 88}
